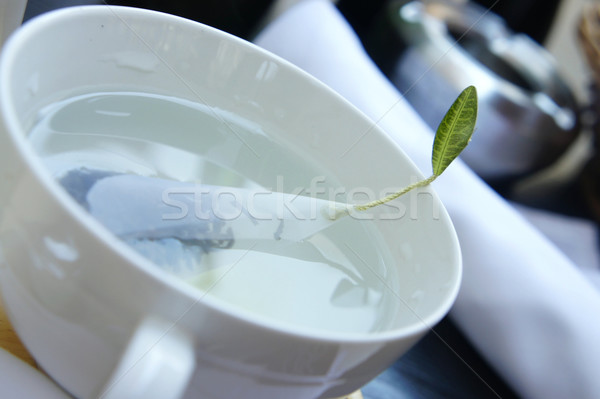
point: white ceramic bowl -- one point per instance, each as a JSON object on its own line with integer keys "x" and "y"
{"x": 98, "y": 317}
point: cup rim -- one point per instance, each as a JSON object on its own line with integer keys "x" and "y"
{"x": 143, "y": 265}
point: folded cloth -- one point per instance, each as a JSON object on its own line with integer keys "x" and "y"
{"x": 562, "y": 230}
{"x": 525, "y": 306}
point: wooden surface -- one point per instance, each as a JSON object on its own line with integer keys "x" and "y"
{"x": 355, "y": 395}
{"x": 9, "y": 340}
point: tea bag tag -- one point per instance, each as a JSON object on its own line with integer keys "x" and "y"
{"x": 133, "y": 206}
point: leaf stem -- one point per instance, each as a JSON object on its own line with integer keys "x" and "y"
{"x": 395, "y": 195}
{"x": 336, "y": 211}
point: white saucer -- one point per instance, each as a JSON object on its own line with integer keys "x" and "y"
{"x": 20, "y": 380}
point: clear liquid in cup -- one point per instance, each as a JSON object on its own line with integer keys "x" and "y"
{"x": 340, "y": 279}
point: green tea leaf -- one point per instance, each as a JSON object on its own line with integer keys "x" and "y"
{"x": 455, "y": 130}
{"x": 452, "y": 136}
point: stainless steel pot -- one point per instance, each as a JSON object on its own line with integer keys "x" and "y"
{"x": 527, "y": 114}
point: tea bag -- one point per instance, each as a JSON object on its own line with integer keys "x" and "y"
{"x": 174, "y": 223}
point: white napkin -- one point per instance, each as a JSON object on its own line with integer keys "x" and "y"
{"x": 523, "y": 303}
{"x": 11, "y": 15}
{"x": 577, "y": 238}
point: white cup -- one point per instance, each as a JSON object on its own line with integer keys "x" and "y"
{"x": 98, "y": 317}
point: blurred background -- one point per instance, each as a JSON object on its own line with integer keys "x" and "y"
{"x": 536, "y": 64}
{"x": 536, "y": 82}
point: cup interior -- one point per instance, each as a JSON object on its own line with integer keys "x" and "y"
{"x": 305, "y": 131}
